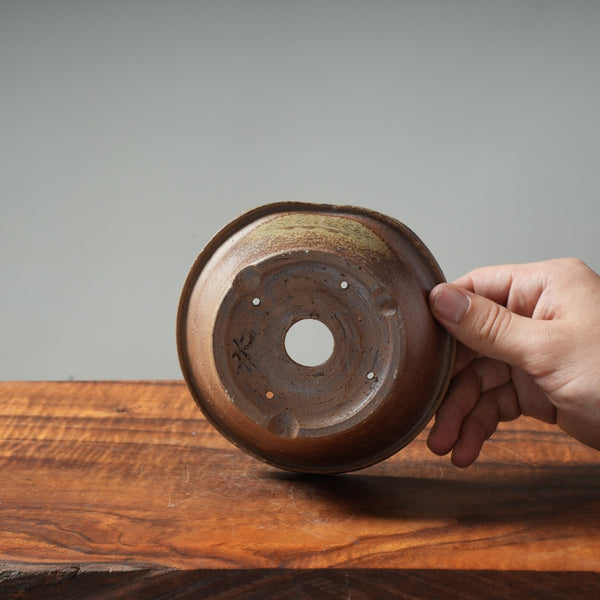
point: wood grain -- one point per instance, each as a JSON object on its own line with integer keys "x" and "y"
{"x": 127, "y": 477}
{"x": 292, "y": 584}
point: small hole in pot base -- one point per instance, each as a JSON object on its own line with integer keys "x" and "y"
{"x": 344, "y": 285}
{"x": 269, "y": 395}
{"x": 256, "y": 301}
{"x": 370, "y": 375}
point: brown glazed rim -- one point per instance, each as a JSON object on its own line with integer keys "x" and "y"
{"x": 388, "y": 419}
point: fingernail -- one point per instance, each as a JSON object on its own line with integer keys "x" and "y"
{"x": 450, "y": 304}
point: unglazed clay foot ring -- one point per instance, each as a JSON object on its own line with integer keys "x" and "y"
{"x": 366, "y": 277}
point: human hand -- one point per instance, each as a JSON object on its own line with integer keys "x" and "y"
{"x": 529, "y": 344}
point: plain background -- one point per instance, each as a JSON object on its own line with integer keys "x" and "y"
{"x": 131, "y": 131}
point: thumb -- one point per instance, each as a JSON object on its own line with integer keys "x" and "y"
{"x": 482, "y": 325}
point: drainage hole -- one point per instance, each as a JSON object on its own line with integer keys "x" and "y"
{"x": 309, "y": 342}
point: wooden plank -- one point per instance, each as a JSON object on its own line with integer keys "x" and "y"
{"x": 291, "y": 584}
{"x": 126, "y": 476}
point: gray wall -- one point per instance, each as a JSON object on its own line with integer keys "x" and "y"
{"x": 130, "y": 131}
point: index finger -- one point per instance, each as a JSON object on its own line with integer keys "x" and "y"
{"x": 516, "y": 286}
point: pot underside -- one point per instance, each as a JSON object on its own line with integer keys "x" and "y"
{"x": 364, "y": 276}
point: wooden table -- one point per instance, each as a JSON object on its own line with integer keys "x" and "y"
{"x": 123, "y": 490}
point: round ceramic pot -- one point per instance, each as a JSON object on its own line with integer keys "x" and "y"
{"x": 366, "y": 278}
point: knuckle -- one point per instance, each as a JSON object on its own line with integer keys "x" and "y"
{"x": 494, "y": 324}
{"x": 573, "y": 263}
{"x": 477, "y": 428}
{"x": 572, "y": 267}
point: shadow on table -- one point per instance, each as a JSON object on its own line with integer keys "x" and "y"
{"x": 568, "y": 495}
